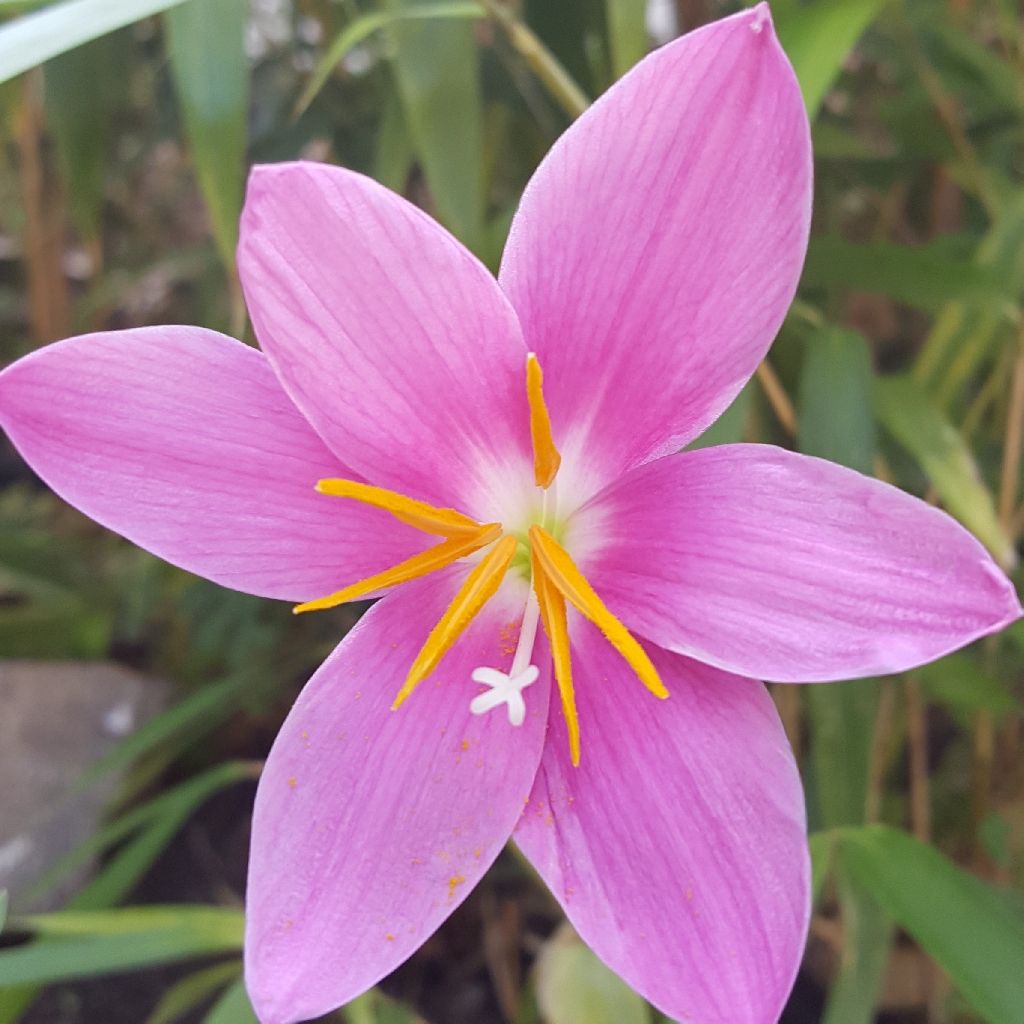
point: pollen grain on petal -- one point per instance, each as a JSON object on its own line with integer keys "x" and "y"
{"x": 480, "y": 586}
{"x": 425, "y": 562}
{"x": 546, "y": 458}
{"x": 563, "y": 574}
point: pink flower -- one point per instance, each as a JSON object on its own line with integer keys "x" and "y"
{"x": 649, "y": 266}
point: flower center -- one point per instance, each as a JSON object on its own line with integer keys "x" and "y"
{"x": 537, "y": 553}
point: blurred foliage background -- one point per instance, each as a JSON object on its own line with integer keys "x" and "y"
{"x": 125, "y": 132}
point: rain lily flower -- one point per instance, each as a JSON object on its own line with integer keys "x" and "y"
{"x": 574, "y": 619}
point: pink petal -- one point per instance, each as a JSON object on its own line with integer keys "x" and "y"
{"x": 371, "y": 826}
{"x": 780, "y": 566}
{"x": 677, "y": 846}
{"x": 393, "y": 340}
{"x": 659, "y": 244}
{"x": 183, "y": 441}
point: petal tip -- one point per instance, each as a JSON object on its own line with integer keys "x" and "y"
{"x": 759, "y": 18}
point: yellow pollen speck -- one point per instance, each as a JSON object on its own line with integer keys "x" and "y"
{"x": 304, "y": 734}
{"x": 465, "y": 744}
{"x": 478, "y": 853}
{"x": 453, "y": 883}
{"x": 389, "y": 937}
{"x": 292, "y": 782}
{"x": 689, "y": 894}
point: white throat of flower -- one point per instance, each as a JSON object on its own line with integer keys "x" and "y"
{"x": 555, "y": 582}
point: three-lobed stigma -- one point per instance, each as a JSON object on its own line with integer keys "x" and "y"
{"x": 556, "y": 582}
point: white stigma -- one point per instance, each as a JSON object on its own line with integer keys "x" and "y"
{"x": 505, "y": 688}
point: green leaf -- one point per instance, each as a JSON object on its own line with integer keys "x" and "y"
{"x": 206, "y": 42}
{"x": 437, "y": 74}
{"x": 374, "y": 1007}
{"x": 970, "y": 928}
{"x": 822, "y": 847}
{"x": 927, "y": 277}
{"x": 916, "y": 423}
{"x": 965, "y": 334}
{"x": 152, "y": 825}
{"x": 233, "y": 1007}
{"x": 627, "y": 33}
{"x": 574, "y": 987}
{"x": 103, "y": 942}
{"x": 835, "y": 399}
{"x": 206, "y": 708}
{"x": 817, "y": 37}
{"x": 360, "y": 29}
{"x": 84, "y": 88}
{"x": 867, "y": 934}
{"x": 959, "y": 683}
{"x": 183, "y": 996}
{"x": 3, "y": 909}
{"x": 36, "y": 38}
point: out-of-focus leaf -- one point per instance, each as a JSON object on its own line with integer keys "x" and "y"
{"x": 153, "y": 824}
{"x": 567, "y": 29}
{"x": 730, "y": 427}
{"x": 909, "y": 416}
{"x": 233, "y": 1007}
{"x": 183, "y": 996}
{"x": 83, "y": 91}
{"x": 972, "y": 931}
{"x": 574, "y": 987}
{"x": 361, "y": 28}
{"x": 3, "y": 909}
{"x": 822, "y": 845}
{"x": 206, "y": 41}
{"x": 927, "y": 277}
{"x": 104, "y": 942}
{"x": 374, "y": 1007}
{"x": 394, "y": 156}
{"x": 627, "y": 33}
{"x": 438, "y": 80}
{"x": 965, "y": 688}
{"x": 41, "y": 619}
{"x": 37, "y": 37}
{"x": 867, "y": 934}
{"x": 837, "y": 423}
{"x": 965, "y": 334}
{"x": 206, "y": 708}
{"x": 818, "y": 36}
{"x": 837, "y": 420}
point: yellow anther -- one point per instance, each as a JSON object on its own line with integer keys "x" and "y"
{"x": 425, "y": 562}
{"x": 562, "y": 572}
{"x": 444, "y": 522}
{"x": 546, "y": 459}
{"x": 480, "y": 586}
{"x": 552, "y": 615}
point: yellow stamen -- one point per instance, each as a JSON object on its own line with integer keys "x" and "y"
{"x": 546, "y": 459}
{"x": 425, "y": 562}
{"x": 480, "y": 586}
{"x": 562, "y": 572}
{"x": 552, "y": 614}
{"x": 444, "y": 522}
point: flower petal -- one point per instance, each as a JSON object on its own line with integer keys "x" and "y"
{"x": 393, "y": 340}
{"x": 182, "y": 440}
{"x": 372, "y": 825}
{"x": 677, "y": 846}
{"x": 784, "y": 567}
{"x": 658, "y": 246}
